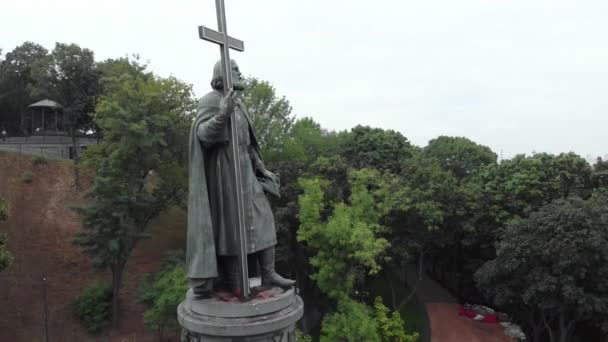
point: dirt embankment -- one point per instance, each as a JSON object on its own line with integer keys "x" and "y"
{"x": 40, "y": 230}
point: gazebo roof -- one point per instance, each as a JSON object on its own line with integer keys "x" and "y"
{"x": 45, "y": 103}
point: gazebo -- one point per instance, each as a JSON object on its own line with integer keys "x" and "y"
{"x": 47, "y": 118}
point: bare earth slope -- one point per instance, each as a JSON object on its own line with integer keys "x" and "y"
{"x": 40, "y": 229}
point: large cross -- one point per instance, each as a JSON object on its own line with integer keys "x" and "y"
{"x": 226, "y": 43}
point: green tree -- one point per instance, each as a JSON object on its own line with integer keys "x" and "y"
{"x": 92, "y": 306}
{"x": 306, "y": 142}
{"x": 366, "y": 147}
{"x": 553, "y": 266}
{"x": 346, "y": 243}
{"x": 391, "y": 327}
{"x": 6, "y": 258}
{"x": 16, "y": 80}
{"x": 600, "y": 173}
{"x": 137, "y": 176}
{"x": 165, "y": 294}
{"x": 344, "y": 235}
{"x": 519, "y": 186}
{"x": 458, "y": 155}
{"x": 352, "y": 321}
{"x": 270, "y": 115}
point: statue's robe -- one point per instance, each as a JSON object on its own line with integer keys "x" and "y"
{"x": 212, "y": 206}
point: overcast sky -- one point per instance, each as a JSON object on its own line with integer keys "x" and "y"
{"x": 518, "y": 76}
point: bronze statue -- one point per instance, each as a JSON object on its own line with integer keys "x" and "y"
{"x": 213, "y": 239}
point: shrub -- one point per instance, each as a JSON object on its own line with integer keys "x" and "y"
{"x": 163, "y": 291}
{"x": 166, "y": 293}
{"x": 6, "y": 258}
{"x": 27, "y": 177}
{"x": 3, "y": 209}
{"x": 93, "y": 306}
{"x": 40, "y": 160}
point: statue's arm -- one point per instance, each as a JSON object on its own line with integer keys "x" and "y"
{"x": 258, "y": 163}
{"x": 211, "y": 131}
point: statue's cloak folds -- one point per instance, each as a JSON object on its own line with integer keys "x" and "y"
{"x": 201, "y": 249}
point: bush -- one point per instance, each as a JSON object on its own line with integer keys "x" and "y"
{"x": 163, "y": 291}
{"x": 40, "y": 160}
{"x": 352, "y": 321}
{"x": 166, "y": 293}
{"x": 27, "y": 177}
{"x": 3, "y": 210}
{"x": 6, "y": 258}
{"x": 93, "y": 306}
{"x": 391, "y": 327}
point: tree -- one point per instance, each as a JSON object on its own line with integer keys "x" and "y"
{"x": 168, "y": 290}
{"x": 367, "y": 147}
{"x": 519, "y": 186}
{"x": 458, "y": 155}
{"x": 553, "y": 266}
{"x": 352, "y": 321}
{"x": 344, "y": 236}
{"x": 6, "y": 258}
{"x": 600, "y": 173}
{"x": 74, "y": 76}
{"x": 138, "y": 176}
{"x": 346, "y": 243}
{"x": 16, "y": 80}
{"x": 270, "y": 115}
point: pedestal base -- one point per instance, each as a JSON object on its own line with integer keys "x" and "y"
{"x": 271, "y": 316}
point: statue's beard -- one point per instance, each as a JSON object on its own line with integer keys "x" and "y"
{"x": 238, "y": 86}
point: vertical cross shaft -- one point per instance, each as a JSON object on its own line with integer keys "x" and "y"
{"x": 224, "y": 48}
{"x": 225, "y": 42}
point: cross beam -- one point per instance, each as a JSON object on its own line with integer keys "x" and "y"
{"x": 226, "y": 43}
{"x": 213, "y": 36}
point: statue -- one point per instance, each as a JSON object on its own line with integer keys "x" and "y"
{"x": 213, "y": 243}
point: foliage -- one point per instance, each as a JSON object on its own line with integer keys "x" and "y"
{"x": 92, "y": 306}
{"x": 16, "y": 79}
{"x": 6, "y": 258}
{"x": 70, "y": 75}
{"x": 138, "y": 175}
{"x": 165, "y": 294}
{"x": 367, "y": 147}
{"x": 305, "y": 142}
{"x": 554, "y": 262}
{"x": 600, "y": 173}
{"x": 300, "y": 336}
{"x": 346, "y": 244}
{"x": 3, "y": 210}
{"x": 271, "y": 116}
{"x": 39, "y": 160}
{"x": 391, "y": 328}
{"x": 459, "y": 156}
{"x": 520, "y": 186}
{"x": 352, "y": 321}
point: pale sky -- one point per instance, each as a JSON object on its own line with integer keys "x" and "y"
{"x": 518, "y": 76}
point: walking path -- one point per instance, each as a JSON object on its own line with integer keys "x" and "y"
{"x": 445, "y": 325}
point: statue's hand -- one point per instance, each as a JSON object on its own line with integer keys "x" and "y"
{"x": 272, "y": 176}
{"x": 227, "y": 103}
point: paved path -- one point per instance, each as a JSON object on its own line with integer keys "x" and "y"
{"x": 445, "y": 325}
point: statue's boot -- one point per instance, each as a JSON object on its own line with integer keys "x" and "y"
{"x": 202, "y": 288}
{"x": 269, "y": 276}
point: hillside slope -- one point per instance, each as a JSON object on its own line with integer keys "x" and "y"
{"x": 40, "y": 229}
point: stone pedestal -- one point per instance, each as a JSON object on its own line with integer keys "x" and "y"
{"x": 271, "y": 316}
